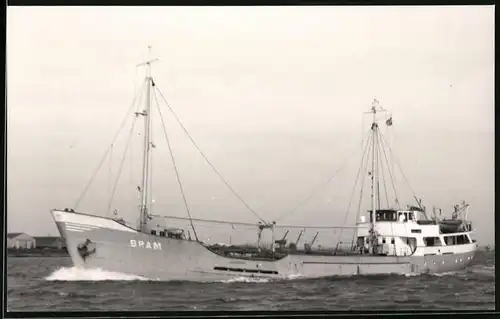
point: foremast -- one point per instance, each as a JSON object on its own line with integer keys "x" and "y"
{"x": 145, "y": 196}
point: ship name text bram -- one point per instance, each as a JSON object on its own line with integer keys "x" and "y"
{"x": 145, "y": 244}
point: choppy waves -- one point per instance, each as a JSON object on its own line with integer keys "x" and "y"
{"x": 38, "y": 284}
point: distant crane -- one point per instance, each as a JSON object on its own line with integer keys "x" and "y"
{"x": 293, "y": 246}
{"x": 307, "y": 246}
{"x": 282, "y": 242}
{"x": 298, "y": 238}
{"x": 314, "y": 239}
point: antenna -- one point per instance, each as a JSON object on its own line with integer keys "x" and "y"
{"x": 150, "y": 60}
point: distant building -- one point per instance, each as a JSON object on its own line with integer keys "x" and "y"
{"x": 20, "y": 241}
{"x": 50, "y": 242}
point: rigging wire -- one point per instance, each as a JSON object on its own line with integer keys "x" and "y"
{"x": 249, "y": 224}
{"x": 353, "y": 189}
{"x": 362, "y": 188}
{"x": 175, "y": 166}
{"x": 318, "y": 227}
{"x": 207, "y": 160}
{"x": 379, "y": 156}
{"x": 319, "y": 189}
{"x": 107, "y": 151}
{"x": 110, "y": 172}
{"x": 386, "y": 195}
{"x": 403, "y": 174}
{"x": 121, "y": 165}
{"x": 390, "y": 173}
{"x": 151, "y": 153}
{"x": 377, "y": 168}
{"x": 206, "y": 220}
{"x": 136, "y": 196}
{"x": 131, "y": 177}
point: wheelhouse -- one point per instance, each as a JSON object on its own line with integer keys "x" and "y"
{"x": 392, "y": 215}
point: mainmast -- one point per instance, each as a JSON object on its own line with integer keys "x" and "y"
{"x": 144, "y": 190}
{"x": 374, "y": 177}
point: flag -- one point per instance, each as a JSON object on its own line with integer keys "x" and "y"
{"x": 375, "y": 101}
{"x": 233, "y": 226}
{"x": 389, "y": 121}
{"x": 139, "y": 188}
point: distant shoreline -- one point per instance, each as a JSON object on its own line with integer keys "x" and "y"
{"x": 37, "y": 252}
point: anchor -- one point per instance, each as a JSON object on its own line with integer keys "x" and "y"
{"x": 86, "y": 249}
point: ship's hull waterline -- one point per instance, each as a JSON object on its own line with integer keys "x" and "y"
{"x": 115, "y": 247}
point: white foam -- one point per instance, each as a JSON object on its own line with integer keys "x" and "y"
{"x": 412, "y": 274}
{"x": 448, "y": 273}
{"x": 294, "y": 276}
{"x": 260, "y": 279}
{"x": 245, "y": 279}
{"x": 81, "y": 274}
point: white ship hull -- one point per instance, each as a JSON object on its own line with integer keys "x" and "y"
{"x": 115, "y": 247}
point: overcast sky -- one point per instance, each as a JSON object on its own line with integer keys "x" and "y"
{"x": 273, "y": 95}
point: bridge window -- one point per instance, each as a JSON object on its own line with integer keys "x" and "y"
{"x": 401, "y": 217}
{"x": 432, "y": 241}
{"x": 385, "y": 215}
{"x": 361, "y": 240}
{"x": 393, "y": 240}
{"x": 162, "y": 233}
{"x": 462, "y": 240}
{"x": 153, "y": 232}
{"x": 457, "y": 240}
{"x": 466, "y": 239}
{"x": 418, "y": 231}
{"x": 450, "y": 240}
